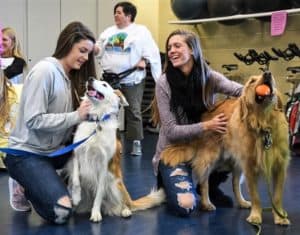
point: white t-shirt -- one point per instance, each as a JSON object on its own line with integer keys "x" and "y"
{"x": 122, "y": 49}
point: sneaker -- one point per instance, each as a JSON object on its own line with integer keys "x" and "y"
{"x": 17, "y": 198}
{"x": 136, "y": 148}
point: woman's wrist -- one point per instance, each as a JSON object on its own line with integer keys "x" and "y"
{"x": 204, "y": 125}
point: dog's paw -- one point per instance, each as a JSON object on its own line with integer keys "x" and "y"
{"x": 254, "y": 219}
{"x": 126, "y": 212}
{"x": 281, "y": 219}
{"x": 245, "y": 204}
{"x": 208, "y": 207}
{"x": 76, "y": 195}
{"x": 96, "y": 216}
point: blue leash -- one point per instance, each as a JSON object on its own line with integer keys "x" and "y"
{"x": 59, "y": 152}
{"x": 62, "y": 151}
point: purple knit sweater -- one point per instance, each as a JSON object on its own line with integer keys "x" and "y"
{"x": 170, "y": 130}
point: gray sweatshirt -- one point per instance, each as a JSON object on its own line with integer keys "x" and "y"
{"x": 171, "y": 131}
{"x": 46, "y": 115}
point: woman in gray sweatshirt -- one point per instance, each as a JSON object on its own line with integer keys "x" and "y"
{"x": 49, "y": 110}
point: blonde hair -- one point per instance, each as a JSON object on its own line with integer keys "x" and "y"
{"x": 5, "y": 88}
{"x": 16, "y": 50}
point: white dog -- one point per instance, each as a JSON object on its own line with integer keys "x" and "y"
{"x": 95, "y": 177}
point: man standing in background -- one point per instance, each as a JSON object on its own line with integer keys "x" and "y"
{"x": 123, "y": 46}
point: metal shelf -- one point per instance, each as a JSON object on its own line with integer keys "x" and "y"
{"x": 233, "y": 17}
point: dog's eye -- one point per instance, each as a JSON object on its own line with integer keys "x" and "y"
{"x": 104, "y": 85}
{"x": 252, "y": 81}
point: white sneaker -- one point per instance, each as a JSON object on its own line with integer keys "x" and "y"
{"x": 136, "y": 148}
{"x": 17, "y": 198}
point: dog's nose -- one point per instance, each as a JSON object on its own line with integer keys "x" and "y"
{"x": 267, "y": 75}
{"x": 91, "y": 79}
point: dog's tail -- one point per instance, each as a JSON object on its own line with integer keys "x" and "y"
{"x": 154, "y": 198}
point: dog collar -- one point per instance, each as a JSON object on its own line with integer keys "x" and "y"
{"x": 96, "y": 118}
{"x": 267, "y": 139}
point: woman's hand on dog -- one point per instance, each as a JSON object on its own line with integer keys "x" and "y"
{"x": 217, "y": 124}
{"x": 84, "y": 109}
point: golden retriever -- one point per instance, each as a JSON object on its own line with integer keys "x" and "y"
{"x": 95, "y": 176}
{"x": 256, "y": 140}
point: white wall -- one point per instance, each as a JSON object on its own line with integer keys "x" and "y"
{"x": 148, "y": 15}
{"x": 43, "y": 27}
{"x": 105, "y": 14}
{"x": 39, "y": 22}
{"x": 13, "y": 14}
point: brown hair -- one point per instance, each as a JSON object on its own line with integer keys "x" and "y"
{"x": 128, "y": 9}
{"x": 155, "y": 118}
{"x": 190, "y": 97}
{"x": 193, "y": 42}
{"x": 70, "y": 35}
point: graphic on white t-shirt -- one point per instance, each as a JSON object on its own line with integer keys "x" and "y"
{"x": 115, "y": 44}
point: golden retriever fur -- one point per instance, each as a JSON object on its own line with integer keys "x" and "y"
{"x": 153, "y": 199}
{"x": 256, "y": 140}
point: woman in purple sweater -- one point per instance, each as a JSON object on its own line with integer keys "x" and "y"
{"x": 186, "y": 90}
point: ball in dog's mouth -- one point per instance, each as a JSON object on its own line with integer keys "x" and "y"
{"x": 263, "y": 92}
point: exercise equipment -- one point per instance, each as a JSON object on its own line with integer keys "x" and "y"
{"x": 295, "y": 3}
{"x": 218, "y": 8}
{"x": 255, "y": 6}
{"x": 190, "y": 9}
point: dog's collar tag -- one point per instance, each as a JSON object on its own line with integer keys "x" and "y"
{"x": 95, "y": 118}
{"x": 267, "y": 139}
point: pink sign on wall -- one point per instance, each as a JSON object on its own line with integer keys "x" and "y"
{"x": 278, "y": 23}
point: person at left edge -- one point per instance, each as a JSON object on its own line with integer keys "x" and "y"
{"x": 13, "y": 61}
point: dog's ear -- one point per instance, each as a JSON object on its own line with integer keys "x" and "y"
{"x": 243, "y": 108}
{"x": 279, "y": 105}
{"x": 123, "y": 100}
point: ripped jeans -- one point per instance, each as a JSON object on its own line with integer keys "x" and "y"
{"x": 178, "y": 185}
{"x": 43, "y": 186}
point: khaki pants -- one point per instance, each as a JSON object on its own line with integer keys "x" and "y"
{"x": 133, "y": 113}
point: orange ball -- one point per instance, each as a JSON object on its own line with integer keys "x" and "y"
{"x": 263, "y": 90}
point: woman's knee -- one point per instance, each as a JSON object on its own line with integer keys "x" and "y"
{"x": 184, "y": 204}
{"x": 65, "y": 201}
{"x": 62, "y": 210}
{"x": 57, "y": 212}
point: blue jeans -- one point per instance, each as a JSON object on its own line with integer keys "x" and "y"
{"x": 178, "y": 183}
{"x": 43, "y": 186}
